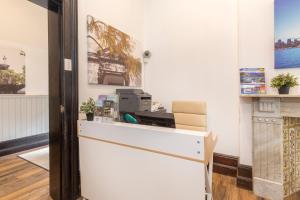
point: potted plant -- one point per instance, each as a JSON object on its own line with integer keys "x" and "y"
{"x": 283, "y": 82}
{"x": 89, "y": 108}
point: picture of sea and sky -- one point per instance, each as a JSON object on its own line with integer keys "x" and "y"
{"x": 287, "y": 34}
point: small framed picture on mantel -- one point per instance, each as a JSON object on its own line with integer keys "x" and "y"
{"x": 252, "y": 81}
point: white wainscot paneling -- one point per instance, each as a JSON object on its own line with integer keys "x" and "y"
{"x": 23, "y": 116}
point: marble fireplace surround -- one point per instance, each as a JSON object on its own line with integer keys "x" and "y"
{"x": 276, "y": 145}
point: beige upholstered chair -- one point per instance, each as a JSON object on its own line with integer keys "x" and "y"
{"x": 190, "y": 115}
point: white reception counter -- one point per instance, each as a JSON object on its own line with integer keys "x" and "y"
{"x": 120, "y": 161}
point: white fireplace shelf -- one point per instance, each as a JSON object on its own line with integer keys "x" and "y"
{"x": 270, "y": 95}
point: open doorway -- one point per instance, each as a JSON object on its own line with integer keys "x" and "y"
{"x": 52, "y": 126}
{"x": 24, "y": 101}
{"x": 24, "y": 91}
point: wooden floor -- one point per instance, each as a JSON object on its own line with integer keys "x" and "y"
{"x": 21, "y": 180}
{"x": 224, "y": 188}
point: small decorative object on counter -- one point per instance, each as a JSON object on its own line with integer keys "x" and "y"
{"x": 107, "y": 107}
{"x": 99, "y": 105}
{"x": 283, "y": 82}
{"x": 130, "y": 119}
{"x": 89, "y": 108}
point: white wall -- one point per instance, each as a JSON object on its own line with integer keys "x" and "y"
{"x": 24, "y": 25}
{"x": 126, "y": 16}
{"x": 256, "y": 49}
{"x": 195, "y": 57}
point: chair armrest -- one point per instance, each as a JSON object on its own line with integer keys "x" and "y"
{"x": 210, "y": 142}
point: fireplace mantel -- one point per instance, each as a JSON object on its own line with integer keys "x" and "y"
{"x": 276, "y": 145}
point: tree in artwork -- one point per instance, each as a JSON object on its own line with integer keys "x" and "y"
{"x": 112, "y": 56}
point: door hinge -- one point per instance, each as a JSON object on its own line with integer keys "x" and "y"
{"x": 62, "y": 109}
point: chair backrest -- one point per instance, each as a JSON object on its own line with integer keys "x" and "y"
{"x": 190, "y": 115}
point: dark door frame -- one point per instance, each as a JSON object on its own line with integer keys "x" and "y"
{"x": 70, "y": 150}
{"x": 63, "y": 98}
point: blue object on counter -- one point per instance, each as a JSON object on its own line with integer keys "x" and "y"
{"x": 130, "y": 119}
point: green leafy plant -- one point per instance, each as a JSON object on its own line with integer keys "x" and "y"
{"x": 88, "y": 107}
{"x": 284, "y": 80}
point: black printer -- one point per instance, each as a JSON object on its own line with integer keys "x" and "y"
{"x": 133, "y": 100}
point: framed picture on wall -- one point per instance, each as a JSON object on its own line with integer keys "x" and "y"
{"x": 287, "y": 34}
{"x": 114, "y": 58}
{"x": 12, "y": 70}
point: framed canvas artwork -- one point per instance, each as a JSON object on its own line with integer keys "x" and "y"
{"x": 12, "y": 71}
{"x": 287, "y": 34}
{"x": 114, "y": 58}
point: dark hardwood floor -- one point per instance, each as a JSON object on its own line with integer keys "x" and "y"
{"x": 21, "y": 180}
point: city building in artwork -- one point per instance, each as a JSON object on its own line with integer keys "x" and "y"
{"x": 290, "y": 43}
